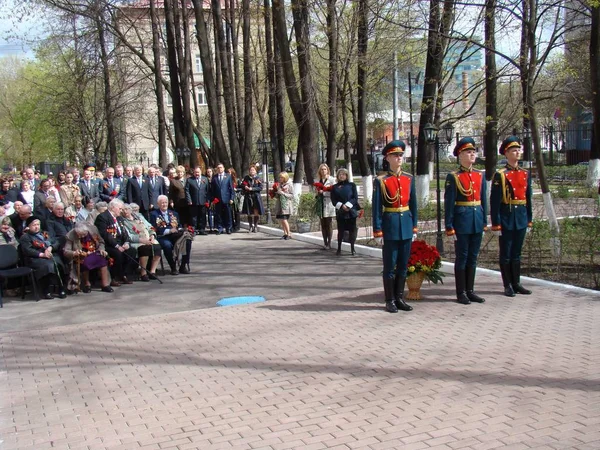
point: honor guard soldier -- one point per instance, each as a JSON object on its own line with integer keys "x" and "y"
{"x": 394, "y": 224}
{"x": 511, "y": 214}
{"x": 466, "y": 218}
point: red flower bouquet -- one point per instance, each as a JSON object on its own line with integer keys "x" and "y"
{"x": 321, "y": 187}
{"x": 425, "y": 258}
{"x": 273, "y": 190}
{"x": 190, "y": 229}
{"x": 113, "y": 193}
{"x": 38, "y": 244}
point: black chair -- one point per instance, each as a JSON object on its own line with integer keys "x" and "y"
{"x": 9, "y": 259}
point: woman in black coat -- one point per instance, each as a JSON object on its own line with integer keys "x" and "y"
{"x": 344, "y": 197}
{"x": 39, "y": 255}
{"x": 253, "y": 205}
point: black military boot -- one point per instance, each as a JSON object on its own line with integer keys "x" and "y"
{"x": 399, "y": 294}
{"x": 460, "y": 278}
{"x": 388, "y": 289}
{"x": 515, "y": 269}
{"x": 506, "y": 280}
{"x": 470, "y": 279}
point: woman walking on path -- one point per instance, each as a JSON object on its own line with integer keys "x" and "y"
{"x": 325, "y": 208}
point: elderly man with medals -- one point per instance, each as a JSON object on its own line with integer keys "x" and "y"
{"x": 511, "y": 214}
{"x": 466, "y": 218}
{"x": 395, "y": 224}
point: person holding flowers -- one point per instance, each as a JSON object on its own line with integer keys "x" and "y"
{"x": 466, "y": 218}
{"x": 85, "y": 248}
{"x": 283, "y": 192}
{"x": 395, "y": 224}
{"x": 171, "y": 235}
{"x": 511, "y": 214}
{"x": 325, "y": 208}
{"x": 253, "y": 205}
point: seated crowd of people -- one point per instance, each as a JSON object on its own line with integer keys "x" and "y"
{"x": 112, "y": 228}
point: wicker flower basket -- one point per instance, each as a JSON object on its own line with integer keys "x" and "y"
{"x": 414, "y": 283}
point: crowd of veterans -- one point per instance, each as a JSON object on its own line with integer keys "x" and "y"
{"x": 82, "y": 228}
{"x": 395, "y": 219}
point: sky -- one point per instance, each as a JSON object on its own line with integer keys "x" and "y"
{"x": 17, "y": 36}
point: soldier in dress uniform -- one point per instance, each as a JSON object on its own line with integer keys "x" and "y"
{"x": 511, "y": 211}
{"x": 466, "y": 218}
{"x": 395, "y": 224}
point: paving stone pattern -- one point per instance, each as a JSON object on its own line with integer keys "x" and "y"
{"x": 308, "y": 373}
{"x": 331, "y": 371}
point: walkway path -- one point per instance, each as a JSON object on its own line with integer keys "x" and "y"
{"x": 318, "y": 365}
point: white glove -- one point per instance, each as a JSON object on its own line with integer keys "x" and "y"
{"x": 414, "y": 237}
{"x": 379, "y": 240}
{"x": 528, "y": 230}
{"x": 338, "y": 205}
{"x": 497, "y": 232}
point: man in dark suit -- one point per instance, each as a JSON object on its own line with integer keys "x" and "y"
{"x": 122, "y": 179}
{"x": 197, "y": 197}
{"x": 222, "y": 195}
{"x": 89, "y": 187}
{"x": 168, "y": 231}
{"x": 33, "y": 181}
{"x": 156, "y": 187}
{"x": 18, "y": 219}
{"x": 111, "y": 186}
{"x": 136, "y": 191}
{"x": 111, "y": 229}
{"x": 41, "y": 195}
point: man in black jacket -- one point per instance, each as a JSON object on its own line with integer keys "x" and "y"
{"x": 111, "y": 229}
{"x": 197, "y": 197}
{"x": 136, "y": 191}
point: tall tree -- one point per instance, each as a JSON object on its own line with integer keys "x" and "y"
{"x": 228, "y": 86}
{"x": 491, "y": 102}
{"x": 594, "y": 167}
{"x": 158, "y": 86}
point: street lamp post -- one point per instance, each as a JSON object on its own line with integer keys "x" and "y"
{"x": 372, "y": 145}
{"x": 263, "y": 145}
{"x": 182, "y": 153}
{"x": 432, "y": 136}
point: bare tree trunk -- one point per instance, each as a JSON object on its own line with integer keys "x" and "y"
{"x": 361, "y": 128}
{"x": 218, "y": 148}
{"x": 279, "y": 147}
{"x": 300, "y": 105}
{"x": 226, "y": 74}
{"x": 248, "y": 109}
{"x": 111, "y": 141}
{"x": 158, "y": 86}
{"x": 491, "y": 101}
{"x": 332, "y": 117}
{"x": 185, "y": 57}
{"x": 593, "y": 177}
{"x": 272, "y": 89}
{"x": 179, "y": 129}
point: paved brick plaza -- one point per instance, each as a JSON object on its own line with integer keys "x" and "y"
{"x": 320, "y": 371}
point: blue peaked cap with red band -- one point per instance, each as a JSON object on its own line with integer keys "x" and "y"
{"x": 509, "y": 142}
{"x": 466, "y": 143}
{"x": 396, "y": 146}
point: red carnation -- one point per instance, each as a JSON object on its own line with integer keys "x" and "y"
{"x": 215, "y": 201}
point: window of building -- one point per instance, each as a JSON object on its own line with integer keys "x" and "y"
{"x": 198, "y": 64}
{"x": 201, "y": 95}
